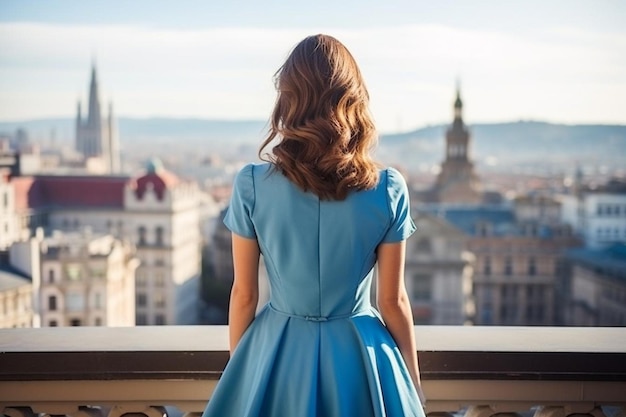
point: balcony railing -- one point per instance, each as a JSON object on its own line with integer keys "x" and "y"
{"x": 480, "y": 371}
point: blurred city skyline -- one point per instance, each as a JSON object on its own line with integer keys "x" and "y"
{"x": 562, "y": 62}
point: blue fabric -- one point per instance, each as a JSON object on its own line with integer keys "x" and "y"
{"x": 319, "y": 348}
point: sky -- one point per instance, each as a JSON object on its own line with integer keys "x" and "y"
{"x": 551, "y": 60}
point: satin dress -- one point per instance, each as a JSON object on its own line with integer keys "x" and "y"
{"x": 318, "y": 348}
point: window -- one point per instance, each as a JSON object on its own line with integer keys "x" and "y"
{"x": 423, "y": 246}
{"x": 159, "y": 280}
{"x": 98, "y": 321}
{"x": 532, "y": 266}
{"x": 159, "y": 236}
{"x": 52, "y": 303}
{"x": 159, "y": 300}
{"x": 75, "y": 322}
{"x": 141, "y": 300}
{"x": 75, "y": 301}
{"x": 141, "y": 236}
{"x": 487, "y": 266}
{"x": 51, "y": 276}
{"x": 422, "y": 287}
{"x": 159, "y": 320}
{"x": 508, "y": 266}
{"x": 98, "y": 300}
{"x": 52, "y": 323}
{"x": 140, "y": 279}
{"x": 141, "y": 319}
{"x": 73, "y": 272}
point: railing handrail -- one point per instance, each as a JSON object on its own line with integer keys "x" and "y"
{"x": 201, "y": 352}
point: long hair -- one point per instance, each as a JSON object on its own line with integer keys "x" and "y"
{"x": 321, "y": 121}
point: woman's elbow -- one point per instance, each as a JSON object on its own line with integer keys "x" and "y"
{"x": 392, "y": 305}
{"x": 244, "y": 297}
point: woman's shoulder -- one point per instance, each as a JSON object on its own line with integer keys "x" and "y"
{"x": 392, "y": 179}
{"x": 250, "y": 170}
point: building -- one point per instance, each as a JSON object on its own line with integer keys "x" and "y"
{"x": 598, "y": 215}
{"x": 86, "y": 280}
{"x": 597, "y": 287}
{"x": 519, "y": 264}
{"x": 438, "y": 273}
{"x": 16, "y": 292}
{"x": 96, "y": 137}
{"x": 457, "y": 182}
{"x": 8, "y": 221}
{"x": 157, "y": 212}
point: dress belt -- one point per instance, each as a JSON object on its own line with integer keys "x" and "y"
{"x": 320, "y": 318}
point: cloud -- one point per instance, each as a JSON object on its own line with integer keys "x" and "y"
{"x": 226, "y": 72}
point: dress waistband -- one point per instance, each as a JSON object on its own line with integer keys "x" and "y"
{"x": 320, "y": 318}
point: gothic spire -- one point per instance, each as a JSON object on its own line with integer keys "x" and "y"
{"x": 94, "y": 117}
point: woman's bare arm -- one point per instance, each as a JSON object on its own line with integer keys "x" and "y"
{"x": 244, "y": 295}
{"x": 395, "y": 307}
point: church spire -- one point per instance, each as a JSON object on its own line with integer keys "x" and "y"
{"x": 94, "y": 118}
{"x": 458, "y": 104}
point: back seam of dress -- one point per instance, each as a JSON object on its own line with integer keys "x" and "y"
{"x": 319, "y": 260}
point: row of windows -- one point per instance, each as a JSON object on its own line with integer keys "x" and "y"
{"x": 75, "y": 322}
{"x": 142, "y": 319}
{"x": 74, "y": 302}
{"x": 141, "y": 280}
{"x": 610, "y": 233}
{"x": 507, "y": 269}
{"x": 610, "y": 210}
{"x": 510, "y": 313}
{"x": 510, "y": 292}
{"x": 141, "y": 300}
{"x": 142, "y": 232}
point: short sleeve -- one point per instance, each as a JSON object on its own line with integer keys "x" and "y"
{"x": 402, "y": 225}
{"x": 238, "y": 218}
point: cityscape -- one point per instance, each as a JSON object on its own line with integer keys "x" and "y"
{"x": 123, "y": 126}
{"x": 103, "y": 232}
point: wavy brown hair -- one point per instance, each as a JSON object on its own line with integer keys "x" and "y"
{"x": 322, "y": 122}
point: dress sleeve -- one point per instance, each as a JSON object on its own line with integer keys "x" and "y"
{"x": 238, "y": 218}
{"x": 402, "y": 225}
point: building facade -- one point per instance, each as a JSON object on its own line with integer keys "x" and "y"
{"x": 438, "y": 273}
{"x": 597, "y": 287}
{"x": 16, "y": 294}
{"x": 598, "y": 216}
{"x": 87, "y": 281}
{"x": 157, "y": 212}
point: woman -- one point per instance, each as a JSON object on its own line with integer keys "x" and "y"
{"x": 322, "y": 214}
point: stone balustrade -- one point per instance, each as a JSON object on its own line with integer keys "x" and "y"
{"x": 478, "y": 371}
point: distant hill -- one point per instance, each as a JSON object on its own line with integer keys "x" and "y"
{"x": 517, "y": 142}
{"x": 506, "y": 143}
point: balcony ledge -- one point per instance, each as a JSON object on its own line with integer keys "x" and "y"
{"x": 507, "y": 369}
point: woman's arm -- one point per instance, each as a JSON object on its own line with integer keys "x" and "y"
{"x": 244, "y": 295}
{"x": 395, "y": 307}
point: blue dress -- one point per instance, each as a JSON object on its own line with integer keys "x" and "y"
{"x": 318, "y": 348}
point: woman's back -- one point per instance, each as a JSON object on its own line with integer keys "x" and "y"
{"x": 319, "y": 253}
